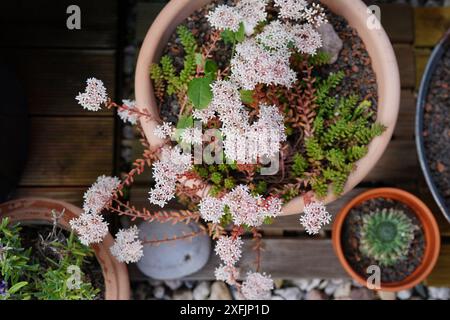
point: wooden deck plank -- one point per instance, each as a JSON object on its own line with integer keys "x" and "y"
{"x": 146, "y": 13}
{"x": 43, "y": 24}
{"x": 398, "y": 21}
{"x": 52, "y": 78}
{"x": 405, "y": 127}
{"x": 398, "y": 166}
{"x": 73, "y": 195}
{"x": 440, "y": 276}
{"x": 281, "y": 258}
{"x": 406, "y": 64}
{"x": 430, "y": 25}
{"x": 422, "y": 55}
{"x": 68, "y": 151}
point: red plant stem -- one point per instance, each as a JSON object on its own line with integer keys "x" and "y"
{"x": 110, "y": 104}
{"x": 161, "y": 216}
{"x": 187, "y": 236}
{"x": 257, "y": 238}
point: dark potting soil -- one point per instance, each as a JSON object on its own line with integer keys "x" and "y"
{"x": 351, "y": 234}
{"x": 436, "y": 129}
{"x": 31, "y": 236}
{"x": 354, "y": 59}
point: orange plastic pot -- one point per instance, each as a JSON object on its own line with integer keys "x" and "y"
{"x": 429, "y": 225}
{"x": 39, "y": 211}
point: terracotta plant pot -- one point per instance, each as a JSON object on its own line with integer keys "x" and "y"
{"x": 38, "y": 211}
{"x": 355, "y": 12}
{"x": 424, "y": 215}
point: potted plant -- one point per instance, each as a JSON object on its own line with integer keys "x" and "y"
{"x": 40, "y": 255}
{"x": 289, "y": 124}
{"x": 432, "y": 126}
{"x": 387, "y": 230}
{"x": 375, "y": 43}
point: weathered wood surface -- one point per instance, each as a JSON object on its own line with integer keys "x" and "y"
{"x": 72, "y": 195}
{"x": 42, "y": 23}
{"x": 69, "y": 147}
{"x": 68, "y": 151}
{"x": 440, "y": 277}
{"x": 430, "y": 25}
{"x": 283, "y": 258}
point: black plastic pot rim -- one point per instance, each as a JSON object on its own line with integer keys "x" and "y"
{"x": 435, "y": 57}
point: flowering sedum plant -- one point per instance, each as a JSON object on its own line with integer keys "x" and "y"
{"x": 267, "y": 129}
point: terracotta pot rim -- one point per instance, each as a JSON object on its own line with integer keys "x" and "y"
{"x": 33, "y": 210}
{"x": 355, "y": 12}
{"x": 429, "y": 225}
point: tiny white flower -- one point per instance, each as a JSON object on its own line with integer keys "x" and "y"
{"x": 228, "y": 274}
{"x": 229, "y": 249}
{"x": 225, "y": 18}
{"x": 257, "y": 286}
{"x": 127, "y": 246}
{"x": 211, "y": 209}
{"x": 314, "y": 217}
{"x": 252, "y": 13}
{"x": 125, "y": 114}
{"x": 173, "y": 163}
{"x": 291, "y": 9}
{"x": 306, "y": 38}
{"x": 93, "y": 96}
{"x": 90, "y": 227}
{"x": 164, "y": 130}
{"x": 100, "y": 194}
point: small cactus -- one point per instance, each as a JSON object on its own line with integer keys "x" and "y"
{"x": 386, "y": 236}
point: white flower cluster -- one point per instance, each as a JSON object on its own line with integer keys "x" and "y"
{"x": 127, "y": 246}
{"x": 90, "y": 227}
{"x": 211, "y": 209}
{"x": 225, "y": 273}
{"x": 225, "y": 18}
{"x": 247, "y": 12}
{"x": 93, "y": 96}
{"x": 315, "y": 15}
{"x": 244, "y": 142}
{"x": 260, "y": 139}
{"x": 229, "y": 249}
{"x": 257, "y": 286}
{"x": 250, "y": 210}
{"x": 125, "y": 114}
{"x": 252, "y": 12}
{"x": 173, "y": 162}
{"x": 291, "y": 9}
{"x": 100, "y": 194}
{"x": 252, "y": 64}
{"x": 301, "y": 10}
{"x": 314, "y": 217}
{"x": 245, "y": 208}
{"x": 306, "y": 38}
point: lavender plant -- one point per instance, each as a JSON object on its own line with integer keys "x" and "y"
{"x": 25, "y": 277}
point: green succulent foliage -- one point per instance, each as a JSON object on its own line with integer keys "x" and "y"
{"x": 386, "y": 236}
{"x": 27, "y": 279}
{"x": 164, "y": 74}
{"x": 300, "y": 165}
{"x": 342, "y": 130}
